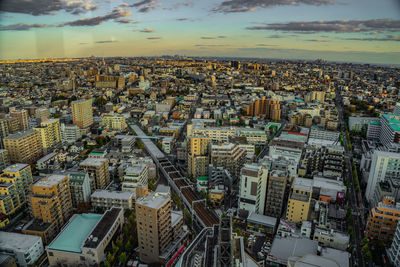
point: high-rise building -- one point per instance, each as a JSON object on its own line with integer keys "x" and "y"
{"x": 50, "y": 200}
{"x": 79, "y": 185}
{"x": 271, "y": 109}
{"x": 23, "y": 118}
{"x": 253, "y": 188}
{"x": 25, "y": 147}
{"x": 50, "y": 133}
{"x": 229, "y": 156}
{"x": 13, "y": 125}
{"x": 384, "y": 165}
{"x": 157, "y": 226}
{"x": 82, "y": 113}
{"x": 114, "y": 122}
{"x": 394, "y": 251}
{"x": 4, "y": 159}
{"x": 70, "y": 133}
{"x": 390, "y": 129}
{"x": 42, "y": 113}
{"x": 98, "y": 170}
{"x": 4, "y": 131}
{"x": 315, "y": 95}
{"x": 299, "y": 201}
{"x": 276, "y": 193}
{"x": 382, "y": 220}
{"x": 14, "y": 184}
{"x": 198, "y": 158}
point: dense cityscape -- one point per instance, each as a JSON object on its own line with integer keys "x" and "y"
{"x": 212, "y": 133}
{"x": 181, "y": 161}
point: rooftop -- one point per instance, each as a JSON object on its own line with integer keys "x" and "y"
{"x": 17, "y": 242}
{"x": 284, "y": 247}
{"x": 20, "y": 134}
{"x": 153, "y": 200}
{"x": 262, "y": 219}
{"x": 47, "y": 157}
{"x": 113, "y": 194}
{"x": 73, "y": 235}
{"x": 93, "y": 162}
{"x": 15, "y": 167}
{"x": 51, "y": 180}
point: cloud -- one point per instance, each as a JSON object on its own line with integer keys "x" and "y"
{"x": 233, "y": 6}
{"x": 274, "y": 36}
{"x": 126, "y": 20}
{"x": 143, "y": 6}
{"x": 265, "y": 45}
{"x": 106, "y": 42}
{"x": 83, "y": 43}
{"x": 154, "y": 38}
{"x": 212, "y": 37}
{"x": 317, "y": 40}
{"x": 182, "y": 19}
{"x": 47, "y": 7}
{"x": 178, "y": 5}
{"x": 23, "y": 26}
{"x": 209, "y": 45}
{"x": 113, "y": 15}
{"x": 147, "y": 30}
{"x": 394, "y": 38}
{"x": 337, "y": 26}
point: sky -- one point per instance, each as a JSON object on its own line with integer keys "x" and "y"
{"x": 365, "y": 31}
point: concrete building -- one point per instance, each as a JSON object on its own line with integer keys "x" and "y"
{"x": 358, "y": 124}
{"x": 4, "y": 158}
{"x": 79, "y": 185}
{"x": 23, "y": 118}
{"x": 106, "y": 199}
{"x": 50, "y": 200}
{"x": 382, "y": 220}
{"x": 299, "y": 201}
{"x": 83, "y": 241}
{"x": 197, "y": 156}
{"x": 331, "y": 238}
{"x": 25, "y": 147}
{"x": 271, "y": 109}
{"x": 42, "y": 113}
{"x": 277, "y": 181}
{"x": 229, "y": 156}
{"x": 50, "y": 133}
{"x": 82, "y": 113}
{"x": 135, "y": 176}
{"x": 384, "y": 165}
{"x": 4, "y": 131}
{"x": 113, "y": 122}
{"x": 253, "y": 188}
{"x": 394, "y": 251}
{"x": 26, "y": 249}
{"x": 70, "y": 133}
{"x": 316, "y": 133}
{"x": 390, "y": 129}
{"x": 160, "y": 230}
{"x": 14, "y": 185}
{"x": 97, "y": 168}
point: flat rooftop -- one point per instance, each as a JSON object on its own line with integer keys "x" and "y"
{"x": 50, "y": 181}
{"x": 15, "y": 167}
{"x": 113, "y": 194}
{"x": 284, "y": 247}
{"x": 20, "y": 134}
{"x": 153, "y": 200}
{"x": 102, "y": 227}
{"x": 262, "y": 219}
{"x": 17, "y": 242}
{"x": 72, "y": 236}
{"x": 93, "y": 162}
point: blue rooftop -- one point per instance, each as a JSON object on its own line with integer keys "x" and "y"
{"x": 393, "y": 121}
{"x": 74, "y": 234}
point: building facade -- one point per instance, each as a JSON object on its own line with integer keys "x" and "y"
{"x": 82, "y": 113}
{"x": 25, "y": 147}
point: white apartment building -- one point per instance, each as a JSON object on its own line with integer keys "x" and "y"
{"x": 253, "y": 188}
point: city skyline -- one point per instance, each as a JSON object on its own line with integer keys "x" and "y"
{"x": 337, "y": 30}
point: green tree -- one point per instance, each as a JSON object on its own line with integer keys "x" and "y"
{"x": 128, "y": 246}
{"x": 107, "y": 264}
{"x": 115, "y": 249}
{"x": 110, "y": 257}
{"x": 118, "y": 242}
{"x": 188, "y": 217}
{"x": 122, "y": 258}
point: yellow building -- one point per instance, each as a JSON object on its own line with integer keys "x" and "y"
{"x": 198, "y": 159}
{"x": 217, "y": 195}
{"x": 25, "y": 147}
{"x": 114, "y": 122}
{"x": 14, "y": 184}
{"x": 82, "y": 113}
{"x": 50, "y": 200}
{"x": 50, "y": 133}
{"x": 299, "y": 201}
{"x": 23, "y": 118}
{"x": 382, "y": 220}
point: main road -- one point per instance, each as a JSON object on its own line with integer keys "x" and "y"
{"x": 355, "y": 201}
